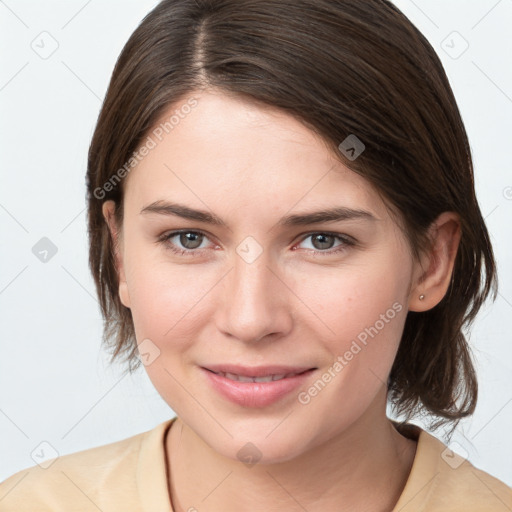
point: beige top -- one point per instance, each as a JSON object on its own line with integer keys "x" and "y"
{"x": 131, "y": 475}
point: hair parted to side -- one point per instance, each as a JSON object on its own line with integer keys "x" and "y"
{"x": 341, "y": 67}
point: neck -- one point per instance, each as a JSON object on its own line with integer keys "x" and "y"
{"x": 365, "y": 467}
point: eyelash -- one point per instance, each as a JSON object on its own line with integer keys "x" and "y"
{"x": 347, "y": 242}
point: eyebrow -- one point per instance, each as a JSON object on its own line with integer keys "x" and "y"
{"x": 341, "y": 213}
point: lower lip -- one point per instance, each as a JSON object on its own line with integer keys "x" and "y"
{"x": 255, "y": 394}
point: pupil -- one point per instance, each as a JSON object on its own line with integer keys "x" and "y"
{"x": 186, "y": 238}
{"x": 321, "y": 238}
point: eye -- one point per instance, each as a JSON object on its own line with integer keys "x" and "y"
{"x": 323, "y": 241}
{"x": 190, "y": 240}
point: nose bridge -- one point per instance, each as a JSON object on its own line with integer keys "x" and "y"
{"x": 251, "y": 279}
{"x": 253, "y": 302}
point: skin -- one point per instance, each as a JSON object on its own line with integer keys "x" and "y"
{"x": 296, "y": 304}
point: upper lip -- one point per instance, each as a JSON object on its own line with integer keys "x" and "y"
{"x": 256, "y": 371}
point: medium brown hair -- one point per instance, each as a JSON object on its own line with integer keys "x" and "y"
{"x": 341, "y": 67}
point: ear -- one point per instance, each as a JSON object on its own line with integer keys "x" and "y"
{"x": 108, "y": 209}
{"x": 433, "y": 273}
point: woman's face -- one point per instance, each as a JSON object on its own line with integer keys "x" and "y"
{"x": 254, "y": 289}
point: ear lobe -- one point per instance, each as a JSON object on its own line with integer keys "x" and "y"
{"x": 108, "y": 209}
{"x": 437, "y": 266}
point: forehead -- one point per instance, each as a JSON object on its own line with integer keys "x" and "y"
{"x": 228, "y": 152}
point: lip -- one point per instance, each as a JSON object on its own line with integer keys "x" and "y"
{"x": 257, "y": 394}
{"x": 256, "y": 371}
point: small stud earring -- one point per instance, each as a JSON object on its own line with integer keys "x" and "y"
{"x": 422, "y": 297}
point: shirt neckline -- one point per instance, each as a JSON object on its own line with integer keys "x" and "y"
{"x": 152, "y": 470}
{"x": 421, "y": 480}
{"x": 152, "y": 473}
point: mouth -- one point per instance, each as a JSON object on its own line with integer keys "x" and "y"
{"x": 256, "y": 387}
{"x": 265, "y": 378}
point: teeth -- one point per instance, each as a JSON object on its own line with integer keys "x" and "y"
{"x": 243, "y": 378}
{"x": 240, "y": 378}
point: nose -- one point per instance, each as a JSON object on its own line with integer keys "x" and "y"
{"x": 254, "y": 301}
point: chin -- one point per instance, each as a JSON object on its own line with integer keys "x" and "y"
{"x": 259, "y": 448}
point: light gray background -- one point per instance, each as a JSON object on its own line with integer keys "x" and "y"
{"x": 55, "y": 384}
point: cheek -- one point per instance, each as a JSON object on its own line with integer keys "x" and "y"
{"x": 359, "y": 312}
{"x": 168, "y": 304}
{"x": 166, "y": 298}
